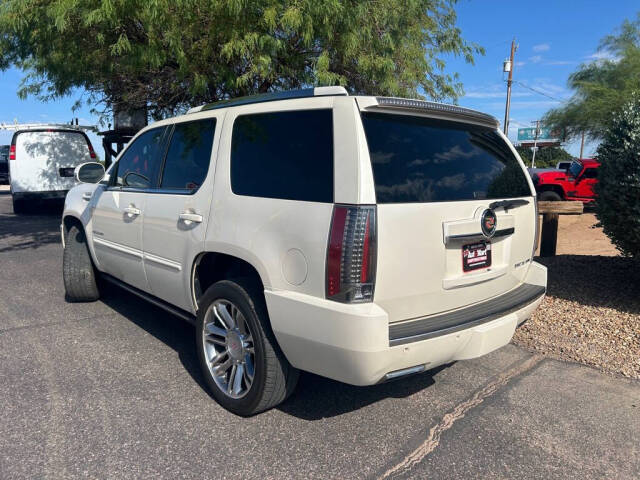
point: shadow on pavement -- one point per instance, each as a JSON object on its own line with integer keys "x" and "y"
{"x": 595, "y": 280}
{"x": 315, "y": 397}
{"x": 38, "y": 227}
{"x": 169, "y": 329}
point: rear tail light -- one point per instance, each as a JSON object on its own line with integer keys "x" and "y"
{"x": 351, "y": 256}
{"x": 91, "y": 152}
{"x": 12, "y": 152}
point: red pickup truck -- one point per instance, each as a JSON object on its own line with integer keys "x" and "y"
{"x": 575, "y": 183}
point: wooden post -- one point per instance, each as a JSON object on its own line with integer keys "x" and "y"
{"x": 549, "y": 236}
{"x": 550, "y": 214}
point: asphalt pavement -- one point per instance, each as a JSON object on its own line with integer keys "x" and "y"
{"x": 111, "y": 389}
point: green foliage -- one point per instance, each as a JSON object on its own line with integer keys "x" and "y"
{"x": 601, "y": 87}
{"x": 618, "y": 187}
{"x": 170, "y": 54}
{"x": 546, "y": 157}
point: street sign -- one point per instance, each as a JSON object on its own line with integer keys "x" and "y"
{"x": 528, "y": 135}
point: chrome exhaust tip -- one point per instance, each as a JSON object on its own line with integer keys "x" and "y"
{"x": 405, "y": 371}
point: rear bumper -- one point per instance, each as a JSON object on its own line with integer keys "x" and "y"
{"x": 354, "y": 343}
{"x": 36, "y": 196}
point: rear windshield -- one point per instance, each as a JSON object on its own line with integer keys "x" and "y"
{"x": 4, "y": 153}
{"x": 53, "y": 144}
{"x": 417, "y": 159}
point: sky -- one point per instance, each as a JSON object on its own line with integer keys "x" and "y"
{"x": 553, "y": 38}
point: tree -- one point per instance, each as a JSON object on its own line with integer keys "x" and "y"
{"x": 618, "y": 187}
{"x": 170, "y": 54}
{"x": 601, "y": 87}
{"x": 546, "y": 157}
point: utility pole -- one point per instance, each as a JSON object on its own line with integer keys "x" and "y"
{"x": 535, "y": 143}
{"x": 582, "y": 145}
{"x": 508, "y": 67}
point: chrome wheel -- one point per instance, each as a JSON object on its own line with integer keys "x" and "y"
{"x": 229, "y": 349}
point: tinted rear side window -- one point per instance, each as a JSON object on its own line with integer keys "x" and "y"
{"x": 287, "y": 155}
{"x": 189, "y": 155}
{"x": 417, "y": 159}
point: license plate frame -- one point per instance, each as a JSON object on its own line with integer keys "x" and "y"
{"x": 66, "y": 172}
{"x": 476, "y": 256}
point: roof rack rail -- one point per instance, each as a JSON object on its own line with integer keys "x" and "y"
{"x": 273, "y": 96}
{"x": 32, "y": 126}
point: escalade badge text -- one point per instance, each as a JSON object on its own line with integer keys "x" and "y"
{"x": 488, "y": 223}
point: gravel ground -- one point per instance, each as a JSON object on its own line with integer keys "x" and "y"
{"x": 591, "y": 313}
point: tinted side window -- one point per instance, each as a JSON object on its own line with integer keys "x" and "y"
{"x": 286, "y": 155}
{"x": 418, "y": 159}
{"x": 138, "y": 166}
{"x": 590, "y": 173}
{"x": 189, "y": 154}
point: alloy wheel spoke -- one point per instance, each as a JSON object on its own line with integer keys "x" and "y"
{"x": 223, "y": 367}
{"x": 217, "y": 358}
{"x": 223, "y": 316}
{"x": 237, "y": 380}
{"x": 215, "y": 335}
{"x": 215, "y": 340}
{"x": 249, "y": 369}
{"x": 232, "y": 375}
{"x": 241, "y": 322}
{"x": 213, "y": 330}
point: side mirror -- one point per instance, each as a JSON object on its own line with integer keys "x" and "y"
{"x": 90, "y": 172}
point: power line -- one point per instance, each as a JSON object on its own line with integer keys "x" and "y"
{"x": 539, "y": 92}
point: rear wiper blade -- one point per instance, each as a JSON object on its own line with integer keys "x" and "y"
{"x": 507, "y": 204}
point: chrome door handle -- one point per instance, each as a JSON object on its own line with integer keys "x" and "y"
{"x": 188, "y": 217}
{"x": 86, "y": 196}
{"x": 132, "y": 211}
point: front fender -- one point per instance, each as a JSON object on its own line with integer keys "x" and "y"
{"x": 77, "y": 207}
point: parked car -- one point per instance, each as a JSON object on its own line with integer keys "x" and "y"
{"x": 4, "y": 163}
{"x": 538, "y": 171}
{"x": 576, "y": 183}
{"x": 42, "y": 160}
{"x": 359, "y": 238}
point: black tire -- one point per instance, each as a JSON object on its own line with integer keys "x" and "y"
{"x": 19, "y": 205}
{"x": 549, "y": 196}
{"x": 78, "y": 272}
{"x": 274, "y": 378}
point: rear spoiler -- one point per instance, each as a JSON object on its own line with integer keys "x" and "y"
{"x": 429, "y": 107}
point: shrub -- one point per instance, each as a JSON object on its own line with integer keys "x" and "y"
{"x": 618, "y": 187}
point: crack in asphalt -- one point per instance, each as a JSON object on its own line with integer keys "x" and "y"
{"x": 433, "y": 439}
{"x": 50, "y": 324}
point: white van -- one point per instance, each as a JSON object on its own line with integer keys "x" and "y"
{"x": 42, "y": 160}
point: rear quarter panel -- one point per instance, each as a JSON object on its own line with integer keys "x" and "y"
{"x": 284, "y": 240}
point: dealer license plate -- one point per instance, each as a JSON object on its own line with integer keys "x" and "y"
{"x": 476, "y": 256}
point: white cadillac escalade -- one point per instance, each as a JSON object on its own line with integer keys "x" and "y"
{"x": 358, "y": 238}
